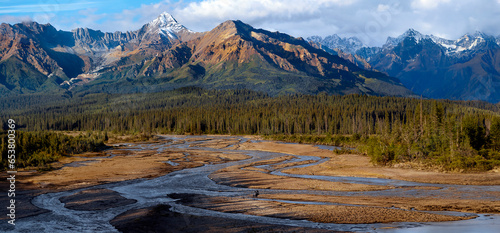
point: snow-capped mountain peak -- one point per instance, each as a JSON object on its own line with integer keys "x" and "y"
{"x": 348, "y": 45}
{"x": 468, "y": 42}
{"x": 166, "y": 25}
{"x": 479, "y": 34}
{"x": 164, "y": 20}
{"x": 471, "y": 42}
{"x": 464, "y": 46}
{"x": 411, "y": 33}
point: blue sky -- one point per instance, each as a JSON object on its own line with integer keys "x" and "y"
{"x": 67, "y": 15}
{"x": 371, "y": 20}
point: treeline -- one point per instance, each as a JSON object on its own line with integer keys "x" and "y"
{"x": 38, "y": 149}
{"x": 452, "y": 134}
{"x": 449, "y": 141}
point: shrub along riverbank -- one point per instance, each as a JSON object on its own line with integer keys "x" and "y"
{"x": 39, "y": 149}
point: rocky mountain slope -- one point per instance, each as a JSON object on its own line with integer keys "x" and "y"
{"x": 35, "y": 56}
{"x": 163, "y": 54}
{"x": 467, "y": 68}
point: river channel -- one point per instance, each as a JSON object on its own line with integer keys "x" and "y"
{"x": 151, "y": 192}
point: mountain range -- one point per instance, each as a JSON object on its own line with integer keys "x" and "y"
{"x": 163, "y": 54}
{"x": 467, "y": 68}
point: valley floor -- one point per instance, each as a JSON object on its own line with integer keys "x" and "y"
{"x": 207, "y": 180}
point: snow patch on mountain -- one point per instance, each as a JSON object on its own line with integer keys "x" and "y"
{"x": 347, "y": 45}
{"x": 166, "y": 25}
{"x": 411, "y": 33}
{"x": 466, "y": 43}
{"x": 457, "y": 47}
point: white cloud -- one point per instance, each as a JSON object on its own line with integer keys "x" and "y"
{"x": 126, "y": 20}
{"x": 212, "y": 12}
{"x": 427, "y": 4}
{"x": 14, "y": 19}
{"x": 224, "y": 9}
{"x": 372, "y": 21}
{"x": 383, "y": 7}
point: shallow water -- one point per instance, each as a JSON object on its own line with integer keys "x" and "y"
{"x": 172, "y": 163}
{"x": 332, "y": 148}
{"x": 154, "y": 191}
{"x": 481, "y": 224}
{"x": 79, "y": 163}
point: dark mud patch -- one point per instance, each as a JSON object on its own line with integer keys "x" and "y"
{"x": 24, "y": 194}
{"x": 160, "y": 219}
{"x": 95, "y": 199}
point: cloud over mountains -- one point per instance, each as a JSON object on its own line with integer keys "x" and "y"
{"x": 371, "y": 21}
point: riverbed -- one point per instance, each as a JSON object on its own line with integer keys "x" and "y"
{"x": 218, "y": 176}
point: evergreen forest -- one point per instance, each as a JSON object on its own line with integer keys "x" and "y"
{"x": 443, "y": 134}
